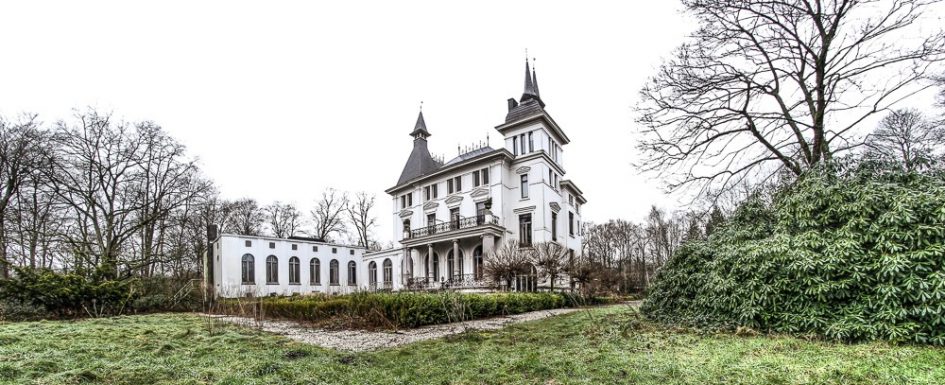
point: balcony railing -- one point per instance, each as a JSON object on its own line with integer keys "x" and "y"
{"x": 459, "y": 281}
{"x": 459, "y": 223}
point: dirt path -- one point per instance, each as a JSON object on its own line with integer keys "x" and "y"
{"x": 361, "y": 340}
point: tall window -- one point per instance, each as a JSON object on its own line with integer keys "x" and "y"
{"x": 480, "y": 177}
{"x": 294, "y": 271}
{"x": 480, "y": 212}
{"x": 531, "y": 143}
{"x": 554, "y": 226}
{"x": 525, "y": 230}
{"x": 436, "y": 267}
{"x": 248, "y": 275}
{"x": 514, "y": 145}
{"x": 449, "y": 186}
{"x": 352, "y": 273}
{"x": 406, "y": 225}
{"x": 333, "y": 273}
{"x": 571, "y": 223}
{"x": 272, "y": 270}
{"x": 372, "y": 273}
{"x": 458, "y": 183}
{"x": 431, "y": 219}
{"x": 477, "y": 263}
{"x": 454, "y": 217}
{"x": 450, "y": 264}
{"x": 426, "y": 193}
{"x": 524, "y": 186}
{"x": 435, "y": 195}
{"x": 388, "y": 272}
{"x": 521, "y": 143}
{"x": 315, "y": 272}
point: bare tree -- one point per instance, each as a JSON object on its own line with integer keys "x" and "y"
{"x": 907, "y": 137}
{"x": 506, "y": 262}
{"x": 551, "y": 259}
{"x": 359, "y": 213}
{"x": 246, "y": 217}
{"x": 780, "y": 84}
{"x": 328, "y": 214}
{"x": 21, "y": 151}
{"x": 284, "y": 219}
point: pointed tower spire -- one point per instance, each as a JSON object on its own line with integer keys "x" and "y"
{"x": 535, "y": 78}
{"x": 529, "y": 86}
{"x": 420, "y": 129}
{"x": 420, "y": 162}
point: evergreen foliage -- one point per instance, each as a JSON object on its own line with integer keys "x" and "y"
{"x": 401, "y": 309}
{"x": 850, "y": 253}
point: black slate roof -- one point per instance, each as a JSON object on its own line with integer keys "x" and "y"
{"x": 470, "y": 155}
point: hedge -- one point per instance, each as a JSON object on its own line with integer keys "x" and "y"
{"x": 402, "y": 310}
{"x": 847, "y": 255}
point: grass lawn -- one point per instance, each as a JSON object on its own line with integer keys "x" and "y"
{"x": 599, "y": 346}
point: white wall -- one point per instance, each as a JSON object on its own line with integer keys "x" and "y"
{"x": 231, "y": 248}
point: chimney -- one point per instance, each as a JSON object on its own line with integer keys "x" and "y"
{"x": 512, "y": 103}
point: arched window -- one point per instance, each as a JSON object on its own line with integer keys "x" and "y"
{"x": 333, "y": 278}
{"x": 477, "y": 262}
{"x": 352, "y": 273}
{"x": 436, "y": 267}
{"x": 315, "y": 272}
{"x": 388, "y": 272}
{"x": 272, "y": 270}
{"x": 449, "y": 264}
{"x": 248, "y": 275}
{"x": 294, "y": 274}
{"x": 372, "y": 273}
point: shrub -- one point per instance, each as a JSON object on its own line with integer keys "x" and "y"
{"x": 850, "y": 255}
{"x": 66, "y": 294}
{"x": 403, "y": 309}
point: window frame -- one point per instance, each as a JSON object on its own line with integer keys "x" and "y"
{"x": 315, "y": 271}
{"x": 295, "y": 275}
{"x": 523, "y": 185}
{"x": 272, "y": 270}
{"x": 248, "y": 269}
{"x": 525, "y": 234}
{"x": 352, "y": 273}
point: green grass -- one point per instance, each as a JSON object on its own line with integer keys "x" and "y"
{"x": 604, "y": 345}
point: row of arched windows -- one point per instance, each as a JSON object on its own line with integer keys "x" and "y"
{"x": 248, "y": 271}
{"x": 388, "y": 272}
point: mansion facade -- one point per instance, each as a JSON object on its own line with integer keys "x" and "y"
{"x": 449, "y": 216}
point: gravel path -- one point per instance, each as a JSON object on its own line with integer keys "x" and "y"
{"x": 361, "y": 340}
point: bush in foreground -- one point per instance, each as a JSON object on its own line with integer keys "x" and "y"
{"x": 847, "y": 255}
{"x": 400, "y": 310}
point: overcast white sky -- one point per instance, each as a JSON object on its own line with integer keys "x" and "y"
{"x": 279, "y": 100}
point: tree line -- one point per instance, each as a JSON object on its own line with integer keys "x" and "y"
{"x": 114, "y": 199}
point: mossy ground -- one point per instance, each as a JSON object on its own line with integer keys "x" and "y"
{"x": 598, "y": 346}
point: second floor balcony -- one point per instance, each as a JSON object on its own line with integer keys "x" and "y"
{"x": 455, "y": 224}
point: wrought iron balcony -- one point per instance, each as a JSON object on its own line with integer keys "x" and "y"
{"x": 458, "y": 281}
{"x": 460, "y": 223}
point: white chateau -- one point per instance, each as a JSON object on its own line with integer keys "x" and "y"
{"x": 449, "y": 218}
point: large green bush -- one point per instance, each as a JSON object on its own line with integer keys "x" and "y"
{"x": 64, "y": 294}
{"x": 398, "y": 309}
{"x": 42, "y": 293}
{"x": 850, "y": 255}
